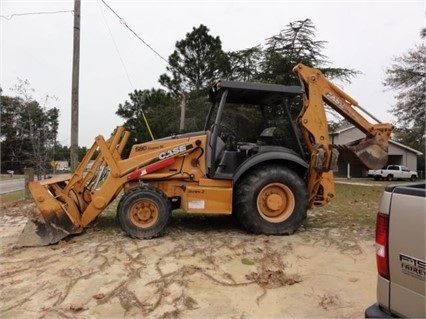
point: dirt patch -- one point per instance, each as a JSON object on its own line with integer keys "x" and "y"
{"x": 204, "y": 267}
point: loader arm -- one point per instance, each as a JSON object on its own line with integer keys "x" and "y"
{"x": 65, "y": 206}
{"x": 372, "y": 151}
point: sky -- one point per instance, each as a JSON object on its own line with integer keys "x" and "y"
{"x": 362, "y": 35}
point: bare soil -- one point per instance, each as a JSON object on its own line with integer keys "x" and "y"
{"x": 204, "y": 267}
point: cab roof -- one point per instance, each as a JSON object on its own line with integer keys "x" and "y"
{"x": 253, "y": 93}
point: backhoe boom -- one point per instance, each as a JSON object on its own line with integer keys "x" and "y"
{"x": 372, "y": 151}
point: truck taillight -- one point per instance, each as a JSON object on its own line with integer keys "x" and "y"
{"x": 382, "y": 256}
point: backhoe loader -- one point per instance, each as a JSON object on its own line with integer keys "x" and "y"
{"x": 266, "y": 178}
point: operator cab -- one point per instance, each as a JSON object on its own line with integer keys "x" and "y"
{"x": 246, "y": 119}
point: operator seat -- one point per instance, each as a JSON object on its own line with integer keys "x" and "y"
{"x": 267, "y": 136}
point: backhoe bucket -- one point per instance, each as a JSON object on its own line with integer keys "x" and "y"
{"x": 370, "y": 152}
{"x": 49, "y": 223}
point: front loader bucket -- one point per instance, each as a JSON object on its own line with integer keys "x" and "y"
{"x": 370, "y": 152}
{"x": 38, "y": 232}
{"x": 67, "y": 204}
{"x": 50, "y": 221}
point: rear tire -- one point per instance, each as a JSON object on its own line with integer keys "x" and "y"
{"x": 389, "y": 177}
{"x": 271, "y": 200}
{"x": 413, "y": 178}
{"x": 144, "y": 212}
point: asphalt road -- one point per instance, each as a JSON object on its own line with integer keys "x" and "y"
{"x": 12, "y": 185}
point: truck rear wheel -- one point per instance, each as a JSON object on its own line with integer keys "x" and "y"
{"x": 144, "y": 212}
{"x": 271, "y": 200}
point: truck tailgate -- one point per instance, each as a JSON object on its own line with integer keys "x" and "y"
{"x": 407, "y": 252}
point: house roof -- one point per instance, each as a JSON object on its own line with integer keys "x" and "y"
{"x": 343, "y": 129}
{"x": 405, "y": 147}
{"x": 351, "y": 127}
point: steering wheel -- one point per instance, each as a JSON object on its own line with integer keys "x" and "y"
{"x": 226, "y": 132}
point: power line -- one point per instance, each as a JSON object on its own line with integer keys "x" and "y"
{"x": 34, "y": 13}
{"x": 116, "y": 47}
{"x": 122, "y": 21}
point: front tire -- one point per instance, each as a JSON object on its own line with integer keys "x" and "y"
{"x": 144, "y": 212}
{"x": 271, "y": 200}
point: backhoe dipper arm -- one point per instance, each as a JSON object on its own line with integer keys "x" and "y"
{"x": 372, "y": 151}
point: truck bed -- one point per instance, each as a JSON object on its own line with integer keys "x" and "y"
{"x": 402, "y": 292}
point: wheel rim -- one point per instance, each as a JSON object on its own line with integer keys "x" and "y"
{"x": 276, "y": 202}
{"x": 144, "y": 213}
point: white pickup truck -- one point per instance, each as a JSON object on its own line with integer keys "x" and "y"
{"x": 401, "y": 253}
{"x": 393, "y": 172}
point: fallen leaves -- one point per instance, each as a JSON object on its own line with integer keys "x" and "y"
{"x": 76, "y": 307}
{"x": 270, "y": 279}
{"x": 190, "y": 269}
{"x": 326, "y": 301}
{"x": 99, "y": 296}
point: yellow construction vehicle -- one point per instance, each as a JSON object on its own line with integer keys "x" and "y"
{"x": 267, "y": 180}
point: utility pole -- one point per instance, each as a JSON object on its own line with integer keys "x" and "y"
{"x": 75, "y": 86}
{"x": 183, "y": 102}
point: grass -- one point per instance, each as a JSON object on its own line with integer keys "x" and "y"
{"x": 12, "y": 197}
{"x": 350, "y": 217}
{"x": 7, "y": 177}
